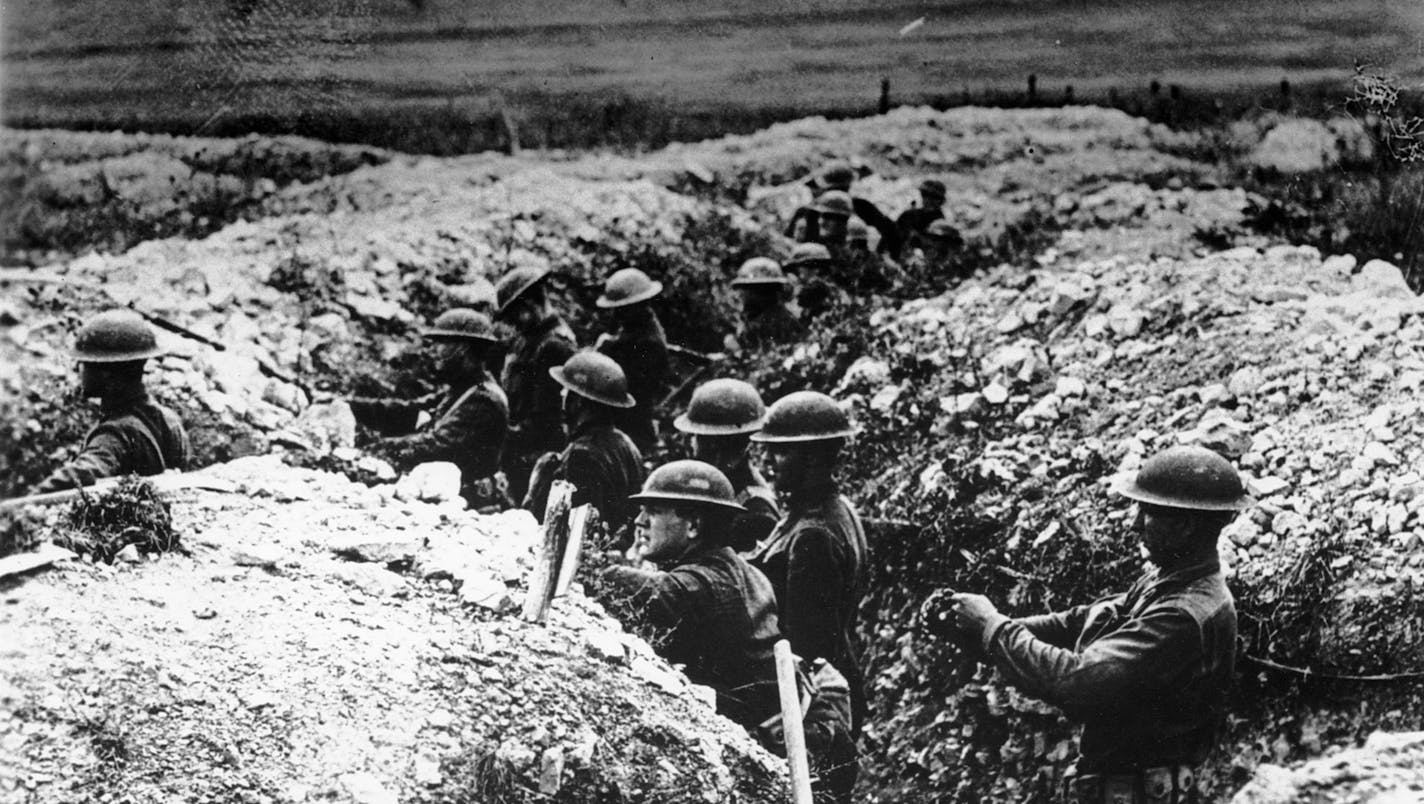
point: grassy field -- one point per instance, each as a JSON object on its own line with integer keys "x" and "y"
{"x": 432, "y": 75}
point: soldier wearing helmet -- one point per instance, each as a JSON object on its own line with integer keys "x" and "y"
{"x": 818, "y": 272}
{"x": 914, "y": 223}
{"x": 718, "y": 613}
{"x": 721, "y": 418}
{"x": 822, "y": 221}
{"x": 601, "y": 461}
{"x": 134, "y": 435}
{"x": 765, "y": 319}
{"x": 1146, "y": 672}
{"x": 542, "y": 341}
{"x": 465, "y": 423}
{"x": 815, "y": 556}
{"x": 639, "y": 345}
{"x": 834, "y": 211}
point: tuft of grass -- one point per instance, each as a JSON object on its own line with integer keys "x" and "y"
{"x": 133, "y": 512}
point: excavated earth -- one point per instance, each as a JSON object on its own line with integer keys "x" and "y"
{"x": 1145, "y": 312}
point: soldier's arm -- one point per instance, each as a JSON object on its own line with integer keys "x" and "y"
{"x": 815, "y": 577}
{"x": 391, "y": 416}
{"x": 1113, "y": 672}
{"x": 105, "y": 454}
{"x": 471, "y": 428}
{"x": 1060, "y": 628}
{"x": 663, "y": 601}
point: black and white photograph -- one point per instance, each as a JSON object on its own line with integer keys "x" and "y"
{"x": 732, "y": 402}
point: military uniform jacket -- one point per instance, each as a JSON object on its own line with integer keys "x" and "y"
{"x": 773, "y": 325}
{"x": 1146, "y": 671}
{"x": 641, "y": 350}
{"x": 815, "y": 560}
{"x": 719, "y": 615}
{"x": 467, "y": 428}
{"x": 535, "y": 407}
{"x": 755, "y": 495}
{"x": 134, "y": 436}
{"x": 605, "y": 467}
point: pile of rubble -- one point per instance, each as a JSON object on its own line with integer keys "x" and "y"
{"x": 1387, "y": 769}
{"x": 325, "y": 639}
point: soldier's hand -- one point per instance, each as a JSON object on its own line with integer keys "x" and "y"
{"x": 971, "y": 613}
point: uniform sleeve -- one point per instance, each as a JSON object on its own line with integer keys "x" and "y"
{"x": 1112, "y": 672}
{"x": 815, "y": 574}
{"x": 474, "y": 428}
{"x": 667, "y": 599}
{"x": 873, "y": 217}
{"x": 105, "y": 454}
{"x": 1059, "y": 629}
{"x": 390, "y": 416}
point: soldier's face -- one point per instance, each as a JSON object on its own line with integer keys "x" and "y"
{"x": 722, "y": 452}
{"x": 1166, "y": 533}
{"x": 662, "y": 534}
{"x": 790, "y": 465}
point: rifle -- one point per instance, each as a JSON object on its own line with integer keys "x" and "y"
{"x": 169, "y": 481}
{"x": 704, "y": 362}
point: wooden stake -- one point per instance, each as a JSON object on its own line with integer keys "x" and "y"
{"x": 578, "y": 523}
{"x": 551, "y": 553}
{"x": 791, "y": 715}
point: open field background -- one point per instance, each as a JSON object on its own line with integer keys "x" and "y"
{"x": 426, "y": 75}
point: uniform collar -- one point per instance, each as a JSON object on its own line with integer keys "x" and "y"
{"x": 124, "y": 401}
{"x": 803, "y": 499}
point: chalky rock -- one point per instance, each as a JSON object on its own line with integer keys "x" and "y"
{"x": 1297, "y": 145}
{"x": 434, "y": 482}
{"x": 486, "y": 591}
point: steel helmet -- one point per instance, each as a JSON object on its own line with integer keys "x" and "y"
{"x": 857, "y": 230}
{"x": 760, "y": 271}
{"x": 835, "y": 176}
{"x": 116, "y": 336}
{"x": 628, "y": 286}
{"x": 689, "y": 482}
{"x": 808, "y": 254}
{"x": 723, "y": 407}
{"x": 462, "y": 324}
{"x": 515, "y": 284}
{"x": 834, "y": 203}
{"x": 1187, "y": 476}
{"x": 596, "y": 376}
{"x": 804, "y": 416}
{"x": 933, "y": 188}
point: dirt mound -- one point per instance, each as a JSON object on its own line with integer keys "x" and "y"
{"x": 325, "y": 640}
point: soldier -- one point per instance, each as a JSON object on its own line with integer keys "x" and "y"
{"x": 1145, "y": 672}
{"x": 765, "y": 319}
{"x": 721, "y": 418}
{"x": 815, "y": 267}
{"x": 601, "y": 461}
{"x": 915, "y": 221}
{"x": 639, "y": 345}
{"x": 834, "y": 211}
{"x": 542, "y": 341}
{"x": 857, "y": 239}
{"x": 134, "y": 435}
{"x": 717, "y": 615}
{"x": 467, "y": 421}
{"x": 815, "y": 557}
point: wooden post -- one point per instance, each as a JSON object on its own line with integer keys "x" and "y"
{"x": 791, "y": 716}
{"x": 578, "y": 523}
{"x": 550, "y": 557}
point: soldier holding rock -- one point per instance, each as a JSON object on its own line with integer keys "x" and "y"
{"x": 1146, "y": 672}
{"x": 542, "y": 341}
{"x": 134, "y": 435}
{"x": 466, "y": 422}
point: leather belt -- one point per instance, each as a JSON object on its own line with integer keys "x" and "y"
{"x": 1167, "y": 784}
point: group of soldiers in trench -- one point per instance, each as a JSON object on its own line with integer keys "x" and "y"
{"x": 719, "y": 562}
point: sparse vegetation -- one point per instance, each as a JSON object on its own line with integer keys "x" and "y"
{"x": 101, "y": 524}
